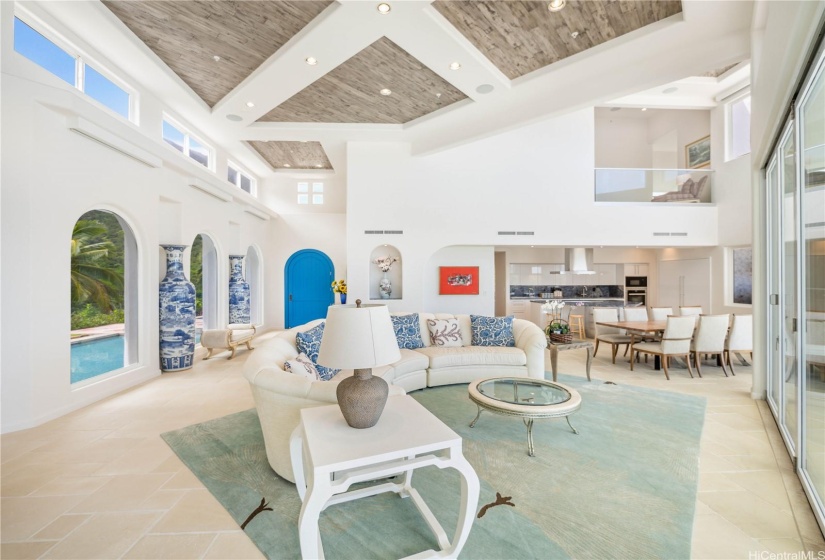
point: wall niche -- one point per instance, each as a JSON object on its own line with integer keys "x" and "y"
{"x": 386, "y": 285}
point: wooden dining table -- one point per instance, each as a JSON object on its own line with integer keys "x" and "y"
{"x": 639, "y": 327}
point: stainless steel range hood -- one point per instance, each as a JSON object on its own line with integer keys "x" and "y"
{"x": 577, "y": 260}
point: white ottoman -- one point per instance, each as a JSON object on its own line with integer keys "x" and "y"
{"x": 228, "y": 338}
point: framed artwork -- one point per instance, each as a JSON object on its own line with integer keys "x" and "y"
{"x": 458, "y": 280}
{"x": 697, "y": 154}
{"x": 742, "y": 275}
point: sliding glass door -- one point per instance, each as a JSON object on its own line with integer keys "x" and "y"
{"x": 811, "y": 117}
{"x": 795, "y": 204}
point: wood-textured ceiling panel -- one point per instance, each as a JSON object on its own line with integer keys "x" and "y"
{"x": 293, "y": 155}
{"x": 351, "y": 92}
{"x": 187, "y": 34}
{"x": 522, "y": 36}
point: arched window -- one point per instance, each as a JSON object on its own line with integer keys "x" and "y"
{"x": 103, "y": 295}
{"x": 255, "y": 278}
{"x": 203, "y": 273}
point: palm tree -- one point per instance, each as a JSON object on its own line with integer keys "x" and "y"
{"x": 92, "y": 280}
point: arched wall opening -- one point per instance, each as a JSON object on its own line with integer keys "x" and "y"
{"x": 203, "y": 273}
{"x": 254, "y": 276}
{"x": 104, "y": 295}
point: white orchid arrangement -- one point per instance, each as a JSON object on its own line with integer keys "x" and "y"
{"x": 385, "y": 263}
{"x": 554, "y": 323}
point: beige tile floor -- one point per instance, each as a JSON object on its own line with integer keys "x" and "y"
{"x": 100, "y": 483}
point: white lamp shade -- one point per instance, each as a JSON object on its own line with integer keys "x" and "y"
{"x": 358, "y": 338}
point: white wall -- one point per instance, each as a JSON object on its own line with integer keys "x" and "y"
{"x": 539, "y": 178}
{"x": 50, "y": 176}
{"x": 626, "y": 138}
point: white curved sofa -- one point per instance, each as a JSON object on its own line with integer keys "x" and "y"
{"x": 280, "y": 395}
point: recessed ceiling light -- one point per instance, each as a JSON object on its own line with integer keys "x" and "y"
{"x": 485, "y": 88}
{"x": 311, "y": 60}
{"x": 287, "y": 165}
{"x": 455, "y": 65}
{"x": 319, "y": 165}
{"x": 556, "y": 5}
{"x": 304, "y": 141}
{"x": 216, "y": 58}
{"x": 574, "y": 34}
{"x": 385, "y": 91}
{"x": 250, "y": 104}
{"x": 235, "y": 118}
{"x": 644, "y": 108}
{"x": 670, "y": 90}
{"x": 384, "y": 8}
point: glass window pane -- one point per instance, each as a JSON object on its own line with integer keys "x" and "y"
{"x": 303, "y": 199}
{"x": 317, "y": 187}
{"x": 303, "y": 187}
{"x": 740, "y": 128}
{"x": 317, "y": 199}
{"x": 812, "y": 134}
{"x": 246, "y": 184}
{"x": 787, "y": 174}
{"x": 102, "y": 89}
{"x": 232, "y": 176}
{"x": 173, "y": 136}
{"x": 742, "y": 276}
{"x": 43, "y": 52}
{"x": 198, "y": 152}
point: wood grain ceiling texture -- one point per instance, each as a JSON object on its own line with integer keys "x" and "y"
{"x": 186, "y": 34}
{"x": 351, "y": 92}
{"x": 522, "y": 36}
{"x": 293, "y": 155}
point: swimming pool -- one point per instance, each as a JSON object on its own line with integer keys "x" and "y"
{"x": 99, "y": 356}
{"x": 96, "y": 357}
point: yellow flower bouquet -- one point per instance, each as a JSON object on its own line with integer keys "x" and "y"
{"x": 340, "y": 287}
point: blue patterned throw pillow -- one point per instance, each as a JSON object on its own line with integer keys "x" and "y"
{"x": 492, "y": 331}
{"x": 309, "y": 343}
{"x": 407, "y": 331}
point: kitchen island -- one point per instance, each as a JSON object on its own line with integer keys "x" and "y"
{"x": 576, "y": 306}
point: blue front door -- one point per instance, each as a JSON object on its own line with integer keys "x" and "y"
{"x": 309, "y": 275}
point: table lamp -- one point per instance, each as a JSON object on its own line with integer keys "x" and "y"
{"x": 361, "y": 338}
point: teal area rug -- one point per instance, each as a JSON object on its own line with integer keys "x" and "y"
{"x": 625, "y": 487}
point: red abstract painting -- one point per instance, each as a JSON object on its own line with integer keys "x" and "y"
{"x": 458, "y": 280}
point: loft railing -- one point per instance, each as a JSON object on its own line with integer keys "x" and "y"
{"x": 654, "y": 185}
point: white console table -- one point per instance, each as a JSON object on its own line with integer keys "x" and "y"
{"x": 328, "y": 457}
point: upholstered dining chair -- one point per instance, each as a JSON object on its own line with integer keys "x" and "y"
{"x": 690, "y": 310}
{"x": 660, "y": 313}
{"x": 740, "y": 338}
{"x": 638, "y": 314}
{"x": 675, "y": 343}
{"x": 611, "y": 335}
{"x": 710, "y": 337}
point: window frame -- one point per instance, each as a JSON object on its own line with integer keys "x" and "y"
{"x": 81, "y": 61}
{"x": 729, "y": 103}
{"x": 311, "y": 192}
{"x": 187, "y": 135}
{"x": 239, "y": 172}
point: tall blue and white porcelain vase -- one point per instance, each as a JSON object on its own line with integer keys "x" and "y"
{"x": 177, "y": 313}
{"x": 239, "y": 308}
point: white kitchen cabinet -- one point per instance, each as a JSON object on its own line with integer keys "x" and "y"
{"x": 636, "y": 269}
{"x": 515, "y": 274}
{"x": 605, "y": 274}
{"x": 684, "y": 282}
{"x": 520, "y": 309}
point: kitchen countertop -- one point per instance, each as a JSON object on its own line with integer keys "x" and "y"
{"x": 533, "y": 299}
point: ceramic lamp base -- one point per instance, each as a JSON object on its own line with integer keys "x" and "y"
{"x": 362, "y": 398}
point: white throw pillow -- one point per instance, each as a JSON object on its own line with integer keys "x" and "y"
{"x": 303, "y": 366}
{"x": 444, "y": 333}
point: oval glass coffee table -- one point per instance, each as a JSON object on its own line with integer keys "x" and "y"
{"x": 525, "y": 398}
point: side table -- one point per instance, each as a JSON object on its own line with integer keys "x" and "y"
{"x": 336, "y": 456}
{"x": 555, "y": 348}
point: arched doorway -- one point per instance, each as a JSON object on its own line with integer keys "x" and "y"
{"x": 104, "y": 265}
{"x": 254, "y": 276}
{"x": 203, "y": 273}
{"x": 308, "y": 293}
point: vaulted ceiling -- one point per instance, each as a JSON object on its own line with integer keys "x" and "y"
{"x": 269, "y": 77}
